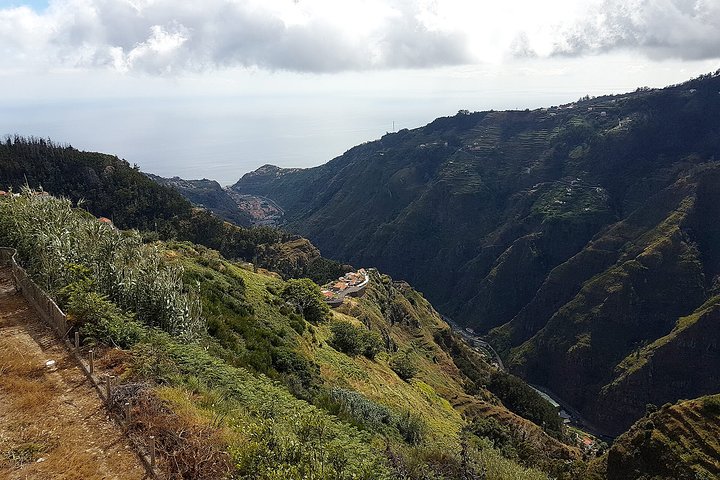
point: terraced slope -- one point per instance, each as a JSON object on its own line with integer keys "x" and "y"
{"x": 678, "y": 442}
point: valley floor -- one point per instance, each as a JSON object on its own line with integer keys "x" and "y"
{"x": 52, "y": 422}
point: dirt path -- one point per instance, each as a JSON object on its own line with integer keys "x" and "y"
{"x": 52, "y": 423}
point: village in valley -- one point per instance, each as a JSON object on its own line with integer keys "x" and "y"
{"x": 352, "y": 283}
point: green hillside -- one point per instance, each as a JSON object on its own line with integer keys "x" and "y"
{"x": 265, "y": 384}
{"x": 579, "y": 237}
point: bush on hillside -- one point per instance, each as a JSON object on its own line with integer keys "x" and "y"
{"x": 360, "y": 411}
{"x": 712, "y": 404}
{"x": 492, "y": 429}
{"x": 346, "y": 338}
{"x": 411, "y": 427}
{"x": 403, "y": 365}
{"x": 102, "y": 321}
{"x": 301, "y": 375}
{"x": 304, "y": 295}
{"x": 355, "y": 340}
{"x": 374, "y": 344}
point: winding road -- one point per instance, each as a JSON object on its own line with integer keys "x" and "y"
{"x": 475, "y": 341}
{"x": 576, "y": 419}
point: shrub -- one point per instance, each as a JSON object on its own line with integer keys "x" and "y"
{"x": 358, "y": 409}
{"x": 403, "y": 365}
{"x": 373, "y": 344}
{"x": 347, "y": 338}
{"x": 411, "y": 427}
{"x": 103, "y": 321}
{"x": 304, "y": 295}
{"x": 492, "y": 429}
{"x": 711, "y": 404}
{"x": 299, "y": 373}
{"x": 354, "y": 340}
{"x": 297, "y": 323}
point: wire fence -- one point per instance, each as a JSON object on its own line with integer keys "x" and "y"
{"x": 41, "y": 301}
{"x": 52, "y": 315}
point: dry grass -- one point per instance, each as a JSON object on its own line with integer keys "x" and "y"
{"x": 187, "y": 447}
{"x": 52, "y": 424}
{"x": 24, "y": 443}
{"x": 13, "y": 362}
{"x": 24, "y": 377}
{"x": 113, "y": 360}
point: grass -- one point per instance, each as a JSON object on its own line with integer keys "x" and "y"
{"x": 23, "y": 376}
{"x": 249, "y": 402}
{"x": 24, "y": 442}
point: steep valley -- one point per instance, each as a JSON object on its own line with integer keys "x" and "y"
{"x": 581, "y": 238}
{"x": 581, "y": 241}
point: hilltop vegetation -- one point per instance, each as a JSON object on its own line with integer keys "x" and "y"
{"x": 246, "y": 363}
{"x": 112, "y": 188}
{"x": 582, "y": 238}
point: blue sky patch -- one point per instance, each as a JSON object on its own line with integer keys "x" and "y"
{"x": 37, "y": 5}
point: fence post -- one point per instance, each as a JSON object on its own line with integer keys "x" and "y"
{"x": 152, "y": 451}
{"x": 77, "y": 340}
{"x": 128, "y": 419}
{"x": 108, "y": 389}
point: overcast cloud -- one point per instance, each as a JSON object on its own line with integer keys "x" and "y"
{"x": 685, "y": 29}
{"x": 170, "y": 36}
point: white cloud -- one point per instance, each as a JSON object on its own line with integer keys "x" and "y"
{"x": 170, "y": 36}
{"x": 685, "y": 29}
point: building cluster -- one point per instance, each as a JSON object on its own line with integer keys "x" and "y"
{"x": 352, "y": 283}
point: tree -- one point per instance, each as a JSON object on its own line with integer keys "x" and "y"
{"x": 374, "y": 344}
{"x": 305, "y": 296}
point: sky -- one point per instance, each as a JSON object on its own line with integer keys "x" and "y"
{"x": 218, "y": 88}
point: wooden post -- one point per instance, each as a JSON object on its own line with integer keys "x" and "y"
{"x": 92, "y": 361}
{"x": 152, "y": 451}
{"x": 128, "y": 419}
{"x": 77, "y": 340}
{"x": 108, "y": 389}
